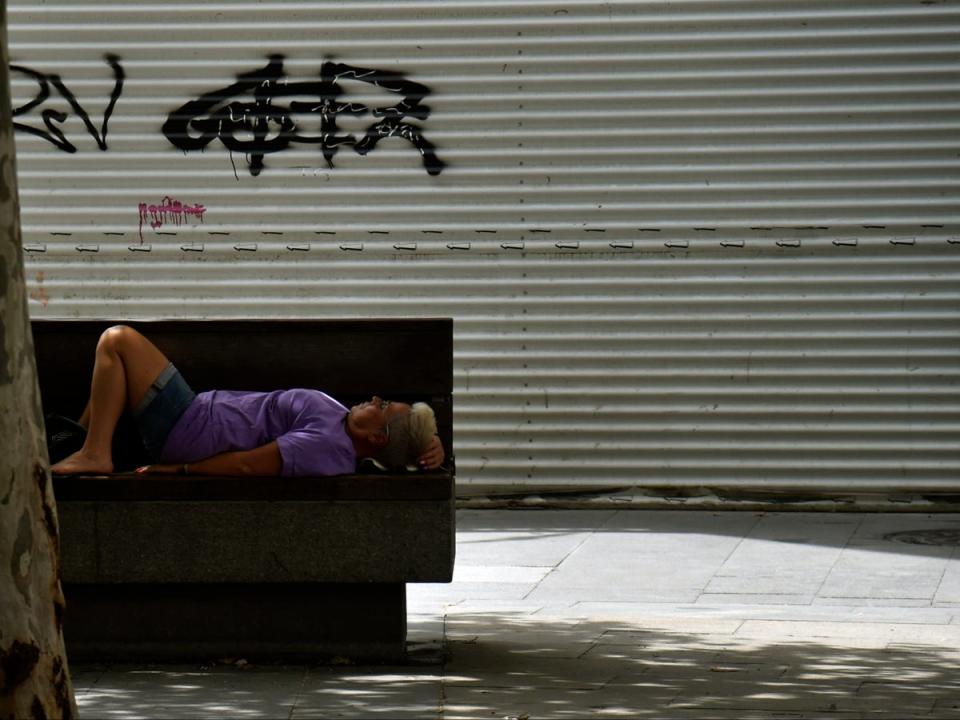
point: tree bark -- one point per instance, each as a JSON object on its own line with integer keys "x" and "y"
{"x": 34, "y": 679}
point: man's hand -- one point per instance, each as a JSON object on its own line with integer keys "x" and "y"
{"x": 264, "y": 460}
{"x": 160, "y": 469}
{"x": 433, "y": 455}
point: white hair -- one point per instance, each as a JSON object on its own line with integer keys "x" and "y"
{"x": 409, "y": 436}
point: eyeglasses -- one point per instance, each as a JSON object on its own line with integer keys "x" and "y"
{"x": 383, "y": 405}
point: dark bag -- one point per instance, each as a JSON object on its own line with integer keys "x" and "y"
{"x": 64, "y": 437}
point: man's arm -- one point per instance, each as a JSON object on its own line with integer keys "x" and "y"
{"x": 264, "y": 460}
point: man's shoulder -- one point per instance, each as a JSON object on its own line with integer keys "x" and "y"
{"x": 308, "y": 409}
{"x": 312, "y": 397}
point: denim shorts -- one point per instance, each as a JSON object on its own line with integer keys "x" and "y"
{"x": 166, "y": 400}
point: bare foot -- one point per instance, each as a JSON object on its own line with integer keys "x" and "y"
{"x": 85, "y": 462}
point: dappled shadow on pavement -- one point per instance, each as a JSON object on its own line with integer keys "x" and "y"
{"x": 185, "y": 691}
{"x": 504, "y": 665}
{"x": 698, "y": 668}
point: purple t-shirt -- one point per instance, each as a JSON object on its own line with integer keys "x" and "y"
{"x": 308, "y": 425}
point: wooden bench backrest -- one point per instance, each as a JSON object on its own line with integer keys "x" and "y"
{"x": 406, "y": 360}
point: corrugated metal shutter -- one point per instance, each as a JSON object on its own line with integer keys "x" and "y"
{"x": 683, "y": 242}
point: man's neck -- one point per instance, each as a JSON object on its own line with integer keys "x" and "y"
{"x": 361, "y": 445}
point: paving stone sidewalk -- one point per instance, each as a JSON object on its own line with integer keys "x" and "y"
{"x": 627, "y": 613}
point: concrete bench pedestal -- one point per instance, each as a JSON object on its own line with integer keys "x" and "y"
{"x": 184, "y": 622}
{"x": 180, "y": 568}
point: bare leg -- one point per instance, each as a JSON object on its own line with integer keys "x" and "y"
{"x": 125, "y": 366}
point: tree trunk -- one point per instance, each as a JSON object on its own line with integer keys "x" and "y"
{"x": 34, "y": 680}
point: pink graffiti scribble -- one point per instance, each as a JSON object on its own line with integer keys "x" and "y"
{"x": 169, "y": 210}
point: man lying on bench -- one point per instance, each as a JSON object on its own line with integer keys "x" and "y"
{"x": 298, "y": 432}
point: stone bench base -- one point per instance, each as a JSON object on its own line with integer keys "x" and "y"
{"x": 173, "y": 569}
{"x": 207, "y": 622}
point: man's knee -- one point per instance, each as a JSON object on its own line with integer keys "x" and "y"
{"x": 113, "y": 337}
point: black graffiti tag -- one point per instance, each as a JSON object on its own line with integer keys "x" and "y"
{"x": 263, "y": 125}
{"x": 52, "y": 119}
